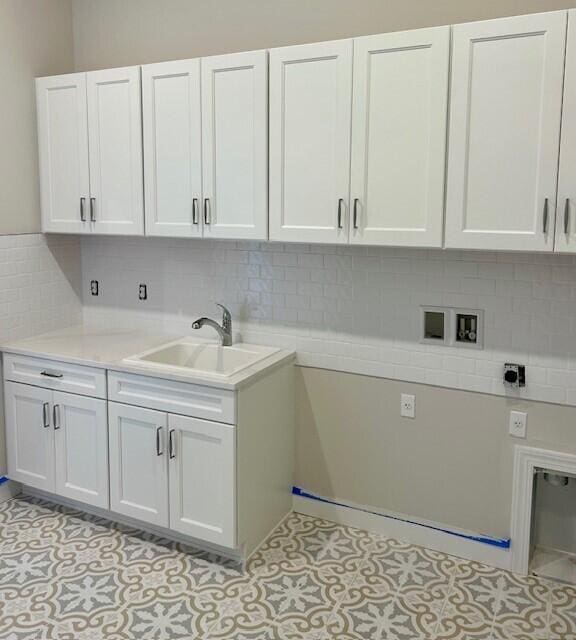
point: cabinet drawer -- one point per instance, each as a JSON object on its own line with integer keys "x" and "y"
{"x": 51, "y": 374}
{"x": 174, "y": 397}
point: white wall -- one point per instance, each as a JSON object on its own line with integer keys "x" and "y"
{"x": 35, "y": 40}
{"x": 110, "y": 33}
{"x": 353, "y": 308}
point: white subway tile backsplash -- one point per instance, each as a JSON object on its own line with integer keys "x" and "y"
{"x": 40, "y": 284}
{"x": 350, "y": 308}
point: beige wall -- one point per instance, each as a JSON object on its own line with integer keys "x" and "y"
{"x": 35, "y": 40}
{"x": 111, "y": 33}
{"x": 452, "y": 464}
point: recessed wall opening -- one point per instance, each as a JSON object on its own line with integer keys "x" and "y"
{"x": 553, "y": 527}
{"x": 434, "y": 325}
{"x": 543, "y": 524}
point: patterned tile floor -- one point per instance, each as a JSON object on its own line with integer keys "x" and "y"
{"x": 65, "y": 576}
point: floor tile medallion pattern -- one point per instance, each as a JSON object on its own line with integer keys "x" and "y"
{"x": 69, "y": 576}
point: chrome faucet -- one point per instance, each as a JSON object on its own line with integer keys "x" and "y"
{"x": 224, "y": 331}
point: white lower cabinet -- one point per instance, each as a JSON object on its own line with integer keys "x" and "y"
{"x": 81, "y": 448}
{"x": 57, "y": 442}
{"x": 29, "y": 436}
{"x": 162, "y": 472}
{"x": 222, "y": 474}
{"x": 138, "y": 463}
{"x": 202, "y": 479}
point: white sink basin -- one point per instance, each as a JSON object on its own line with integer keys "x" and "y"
{"x": 203, "y": 358}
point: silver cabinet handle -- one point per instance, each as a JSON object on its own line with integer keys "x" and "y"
{"x": 567, "y": 216}
{"x": 83, "y": 209}
{"x": 340, "y": 203}
{"x": 207, "y": 214}
{"x": 46, "y": 414}
{"x": 194, "y": 210}
{"x": 49, "y": 374}
{"x": 93, "y": 209}
{"x": 56, "y": 416}
{"x": 172, "y": 454}
{"x": 545, "y": 221}
{"x": 355, "y": 215}
{"x": 159, "y": 452}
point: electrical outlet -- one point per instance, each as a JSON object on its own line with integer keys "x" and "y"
{"x": 517, "y": 427}
{"x": 142, "y": 292}
{"x": 407, "y": 405}
{"x": 94, "y": 287}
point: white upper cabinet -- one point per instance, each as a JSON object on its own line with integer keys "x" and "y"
{"x": 90, "y": 141}
{"x": 115, "y": 136}
{"x": 172, "y": 126}
{"x": 463, "y": 137}
{"x": 310, "y": 111}
{"x": 399, "y": 118}
{"x": 566, "y": 205}
{"x": 506, "y": 101}
{"x": 235, "y": 145}
{"x": 63, "y": 149}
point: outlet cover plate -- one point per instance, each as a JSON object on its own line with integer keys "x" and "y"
{"x": 407, "y": 405}
{"x": 517, "y": 426}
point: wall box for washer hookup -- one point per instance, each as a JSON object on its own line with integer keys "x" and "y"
{"x": 434, "y": 321}
{"x": 468, "y": 328}
{"x": 452, "y": 327}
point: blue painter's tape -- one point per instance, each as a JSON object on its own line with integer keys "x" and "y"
{"x": 3, "y": 479}
{"x": 502, "y": 543}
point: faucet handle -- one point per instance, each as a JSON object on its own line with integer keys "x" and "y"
{"x": 226, "y": 316}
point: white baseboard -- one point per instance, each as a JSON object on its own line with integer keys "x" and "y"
{"x": 414, "y": 533}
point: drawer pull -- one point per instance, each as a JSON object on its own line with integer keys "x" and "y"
{"x": 46, "y": 414}
{"x": 49, "y": 374}
{"x": 171, "y": 444}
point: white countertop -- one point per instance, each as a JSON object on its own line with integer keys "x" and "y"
{"x": 108, "y": 348}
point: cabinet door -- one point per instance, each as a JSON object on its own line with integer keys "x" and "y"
{"x": 172, "y": 148}
{"x": 81, "y": 446}
{"x": 235, "y": 145}
{"x": 505, "y": 106}
{"x": 566, "y": 207}
{"x": 29, "y": 435}
{"x": 310, "y": 107}
{"x": 63, "y": 149}
{"x": 202, "y": 479}
{"x": 115, "y": 134}
{"x": 399, "y": 119}
{"x": 138, "y": 466}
